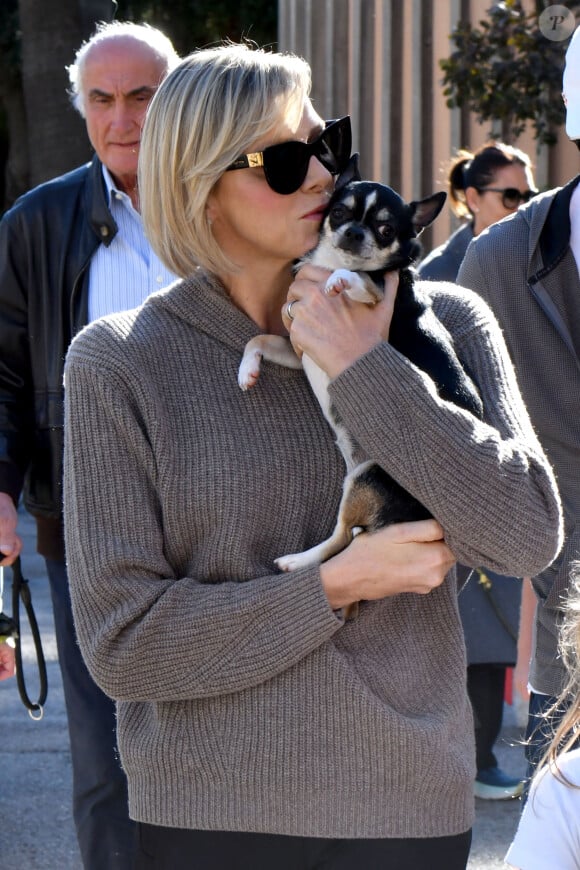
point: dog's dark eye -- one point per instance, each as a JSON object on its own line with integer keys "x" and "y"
{"x": 385, "y": 231}
{"x": 339, "y": 214}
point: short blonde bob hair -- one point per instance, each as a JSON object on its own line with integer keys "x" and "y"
{"x": 210, "y": 109}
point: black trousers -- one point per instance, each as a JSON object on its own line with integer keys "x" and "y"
{"x": 178, "y": 849}
{"x": 485, "y": 686}
{"x": 106, "y": 835}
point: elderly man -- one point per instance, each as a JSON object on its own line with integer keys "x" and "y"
{"x": 71, "y": 250}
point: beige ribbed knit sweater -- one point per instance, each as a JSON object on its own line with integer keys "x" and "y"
{"x": 244, "y": 702}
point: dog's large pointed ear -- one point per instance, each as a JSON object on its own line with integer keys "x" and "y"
{"x": 351, "y": 172}
{"x": 426, "y": 210}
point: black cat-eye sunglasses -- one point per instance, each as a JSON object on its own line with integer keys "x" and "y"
{"x": 511, "y": 197}
{"x": 286, "y": 165}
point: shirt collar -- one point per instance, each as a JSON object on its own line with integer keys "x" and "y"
{"x": 113, "y": 192}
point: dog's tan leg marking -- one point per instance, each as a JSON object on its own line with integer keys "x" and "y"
{"x": 357, "y": 509}
{"x": 362, "y": 506}
{"x": 274, "y": 348}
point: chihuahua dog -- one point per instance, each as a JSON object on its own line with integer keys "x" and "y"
{"x": 368, "y": 230}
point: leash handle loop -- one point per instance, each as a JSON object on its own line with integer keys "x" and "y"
{"x": 21, "y": 592}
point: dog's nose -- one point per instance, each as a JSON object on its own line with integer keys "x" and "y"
{"x": 352, "y": 238}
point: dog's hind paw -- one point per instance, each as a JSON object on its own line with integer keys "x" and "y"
{"x": 313, "y": 556}
{"x": 295, "y": 561}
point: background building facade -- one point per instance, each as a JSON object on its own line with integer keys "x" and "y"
{"x": 378, "y": 60}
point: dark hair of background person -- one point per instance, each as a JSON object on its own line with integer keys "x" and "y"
{"x": 478, "y": 170}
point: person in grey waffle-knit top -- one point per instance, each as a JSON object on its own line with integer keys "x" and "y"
{"x": 526, "y": 267}
{"x": 253, "y": 720}
{"x": 483, "y": 188}
{"x": 533, "y": 299}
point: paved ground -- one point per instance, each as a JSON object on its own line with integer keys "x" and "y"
{"x": 36, "y": 831}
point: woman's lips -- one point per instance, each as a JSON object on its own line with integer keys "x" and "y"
{"x": 315, "y": 214}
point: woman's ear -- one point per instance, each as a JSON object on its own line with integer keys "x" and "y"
{"x": 210, "y": 210}
{"x": 472, "y": 199}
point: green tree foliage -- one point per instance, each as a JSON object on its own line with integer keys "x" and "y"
{"x": 192, "y": 24}
{"x": 506, "y": 70}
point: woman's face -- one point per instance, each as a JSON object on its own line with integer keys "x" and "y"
{"x": 487, "y": 206}
{"x": 254, "y": 224}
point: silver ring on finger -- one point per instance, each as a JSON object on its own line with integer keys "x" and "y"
{"x": 289, "y": 314}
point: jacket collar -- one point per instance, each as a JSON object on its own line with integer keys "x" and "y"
{"x": 548, "y": 217}
{"x": 97, "y": 205}
{"x": 549, "y": 224}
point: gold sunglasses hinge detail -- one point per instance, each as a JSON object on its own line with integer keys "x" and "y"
{"x": 255, "y": 159}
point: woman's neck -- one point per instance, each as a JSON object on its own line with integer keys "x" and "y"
{"x": 260, "y": 293}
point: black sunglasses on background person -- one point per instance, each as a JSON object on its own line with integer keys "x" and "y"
{"x": 286, "y": 165}
{"x": 511, "y": 197}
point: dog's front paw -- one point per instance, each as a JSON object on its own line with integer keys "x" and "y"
{"x": 339, "y": 281}
{"x": 249, "y": 370}
{"x": 358, "y": 286}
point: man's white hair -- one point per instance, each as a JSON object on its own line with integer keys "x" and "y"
{"x": 160, "y": 45}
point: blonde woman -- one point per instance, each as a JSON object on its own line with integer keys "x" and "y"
{"x": 257, "y": 728}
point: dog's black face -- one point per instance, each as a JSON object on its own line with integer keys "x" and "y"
{"x": 368, "y": 227}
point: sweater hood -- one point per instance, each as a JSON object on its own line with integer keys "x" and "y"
{"x": 202, "y": 302}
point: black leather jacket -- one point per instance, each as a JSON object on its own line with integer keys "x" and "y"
{"x": 46, "y": 242}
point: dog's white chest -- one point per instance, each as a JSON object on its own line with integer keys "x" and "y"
{"x": 319, "y": 381}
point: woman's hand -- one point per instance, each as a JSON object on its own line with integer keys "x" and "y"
{"x": 405, "y": 557}
{"x": 331, "y": 329}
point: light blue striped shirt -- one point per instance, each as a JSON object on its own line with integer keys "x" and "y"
{"x": 122, "y": 275}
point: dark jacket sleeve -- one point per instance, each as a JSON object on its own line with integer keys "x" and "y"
{"x": 16, "y": 400}
{"x": 46, "y": 242}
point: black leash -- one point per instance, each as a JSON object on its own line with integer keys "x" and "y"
{"x": 11, "y": 628}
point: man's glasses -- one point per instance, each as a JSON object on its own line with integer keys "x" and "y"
{"x": 286, "y": 165}
{"x": 511, "y": 197}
